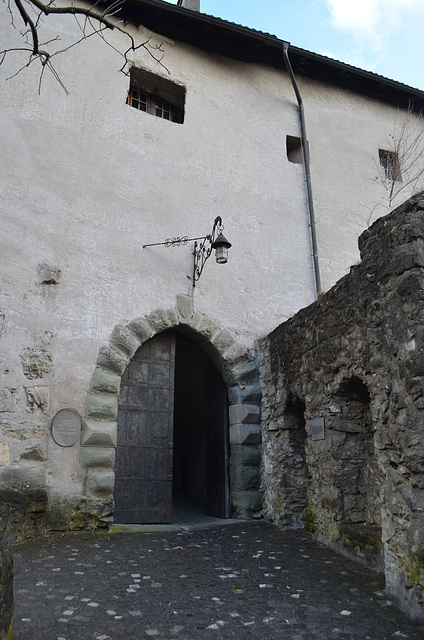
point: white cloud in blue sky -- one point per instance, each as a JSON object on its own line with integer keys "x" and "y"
{"x": 383, "y": 36}
{"x": 386, "y": 36}
{"x": 374, "y": 20}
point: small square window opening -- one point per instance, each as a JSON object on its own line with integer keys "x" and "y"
{"x": 294, "y": 149}
{"x": 389, "y": 165}
{"x": 157, "y": 96}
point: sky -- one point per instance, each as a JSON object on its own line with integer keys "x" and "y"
{"x": 382, "y": 36}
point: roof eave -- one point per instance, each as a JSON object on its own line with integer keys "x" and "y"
{"x": 241, "y": 43}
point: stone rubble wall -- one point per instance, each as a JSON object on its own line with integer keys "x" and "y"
{"x": 343, "y": 409}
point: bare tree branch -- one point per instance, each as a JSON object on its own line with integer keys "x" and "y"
{"x": 27, "y": 21}
{"x": 96, "y": 21}
{"x": 401, "y": 166}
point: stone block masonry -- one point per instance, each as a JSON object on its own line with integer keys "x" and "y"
{"x": 239, "y": 371}
{"x": 342, "y": 414}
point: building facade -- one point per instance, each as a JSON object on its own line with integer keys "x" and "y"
{"x": 99, "y": 327}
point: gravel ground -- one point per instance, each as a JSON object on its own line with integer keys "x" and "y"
{"x": 243, "y": 580}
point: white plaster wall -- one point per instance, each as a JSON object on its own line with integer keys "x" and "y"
{"x": 87, "y": 180}
{"x": 346, "y": 131}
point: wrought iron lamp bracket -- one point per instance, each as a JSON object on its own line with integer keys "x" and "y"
{"x": 202, "y": 250}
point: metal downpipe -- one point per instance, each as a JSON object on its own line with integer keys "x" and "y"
{"x": 306, "y": 163}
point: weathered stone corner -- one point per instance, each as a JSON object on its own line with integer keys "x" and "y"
{"x": 244, "y": 478}
{"x": 208, "y": 328}
{"x": 241, "y": 393}
{"x": 247, "y": 372}
{"x": 89, "y": 513}
{"x": 142, "y": 329}
{"x": 244, "y": 424}
{"x": 160, "y": 320}
{"x": 236, "y": 356}
{"x": 112, "y": 361}
{"x": 224, "y": 341}
{"x": 244, "y": 414}
{"x": 24, "y": 505}
{"x": 101, "y": 406}
{"x": 104, "y": 381}
{"x": 98, "y": 433}
{"x": 99, "y": 484}
{"x": 247, "y": 503}
{"x": 124, "y": 341}
{"x": 245, "y": 434}
{"x": 97, "y": 457}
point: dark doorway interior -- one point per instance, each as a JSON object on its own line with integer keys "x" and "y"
{"x": 200, "y": 430}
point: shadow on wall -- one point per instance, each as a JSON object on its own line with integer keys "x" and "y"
{"x": 294, "y": 475}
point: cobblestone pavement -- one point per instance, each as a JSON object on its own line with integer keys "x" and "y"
{"x": 244, "y": 580}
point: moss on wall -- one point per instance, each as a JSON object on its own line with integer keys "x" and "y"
{"x": 362, "y": 539}
{"x": 413, "y": 569}
{"x": 311, "y": 520}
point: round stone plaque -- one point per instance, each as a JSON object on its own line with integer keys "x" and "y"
{"x": 66, "y": 427}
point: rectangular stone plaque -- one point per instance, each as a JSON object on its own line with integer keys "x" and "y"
{"x": 317, "y": 429}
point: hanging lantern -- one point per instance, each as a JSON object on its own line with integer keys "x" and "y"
{"x": 221, "y": 246}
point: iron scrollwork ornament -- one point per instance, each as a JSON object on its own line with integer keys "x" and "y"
{"x": 202, "y": 251}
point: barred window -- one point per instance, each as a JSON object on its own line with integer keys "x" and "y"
{"x": 156, "y": 96}
{"x": 155, "y": 105}
{"x": 389, "y": 165}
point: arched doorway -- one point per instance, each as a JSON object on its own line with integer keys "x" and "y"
{"x": 235, "y": 362}
{"x": 172, "y": 432}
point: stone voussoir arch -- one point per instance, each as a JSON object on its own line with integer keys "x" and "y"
{"x": 239, "y": 371}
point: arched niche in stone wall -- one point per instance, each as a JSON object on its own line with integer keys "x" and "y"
{"x": 295, "y": 473}
{"x": 354, "y": 479}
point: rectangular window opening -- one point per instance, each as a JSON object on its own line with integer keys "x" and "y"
{"x": 389, "y": 165}
{"x": 155, "y": 95}
{"x": 294, "y": 149}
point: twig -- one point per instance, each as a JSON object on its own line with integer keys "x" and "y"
{"x": 97, "y": 21}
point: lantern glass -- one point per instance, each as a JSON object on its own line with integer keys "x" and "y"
{"x": 221, "y": 254}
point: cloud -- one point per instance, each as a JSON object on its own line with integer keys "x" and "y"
{"x": 374, "y": 20}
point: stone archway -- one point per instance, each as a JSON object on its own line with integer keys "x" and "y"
{"x": 239, "y": 372}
